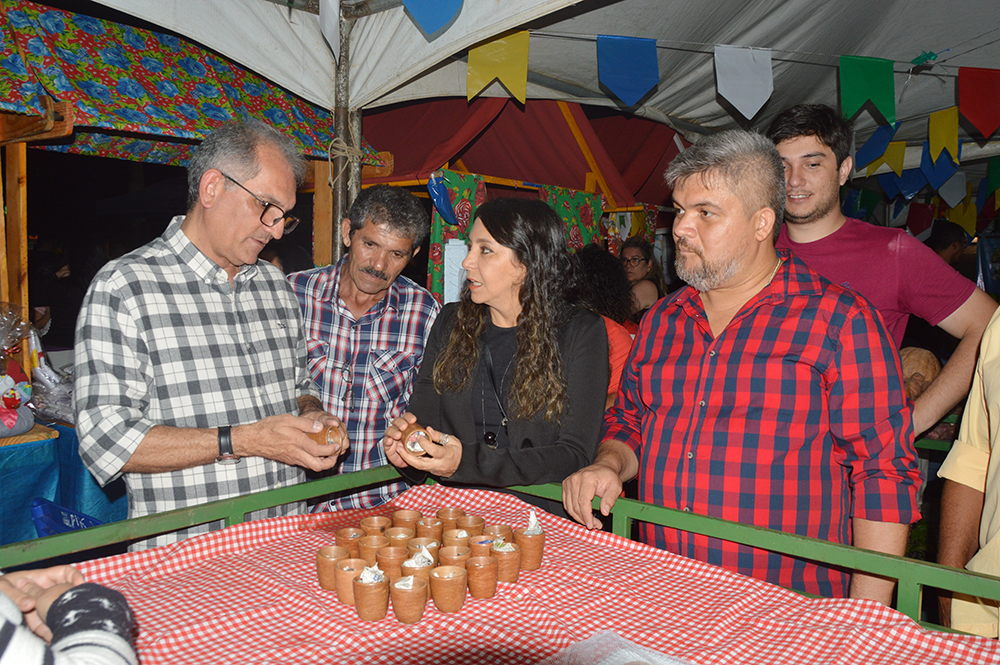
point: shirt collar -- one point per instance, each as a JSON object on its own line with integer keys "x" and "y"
{"x": 205, "y": 268}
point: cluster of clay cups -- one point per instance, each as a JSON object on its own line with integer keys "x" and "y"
{"x": 460, "y": 563}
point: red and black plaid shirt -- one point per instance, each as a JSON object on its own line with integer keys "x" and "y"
{"x": 794, "y": 418}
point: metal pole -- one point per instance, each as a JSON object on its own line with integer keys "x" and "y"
{"x": 341, "y": 127}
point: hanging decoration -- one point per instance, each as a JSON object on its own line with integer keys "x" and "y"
{"x": 919, "y": 218}
{"x": 953, "y": 192}
{"x": 864, "y": 79}
{"x": 979, "y": 97}
{"x": 743, "y": 77}
{"x": 938, "y": 172}
{"x": 892, "y": 157}
{"x": 504, "y": 59}
{"x": 329, "y": 25}
{"x": 432, "y": 15}
{"x": 964, "y": 214}
{"x": 875, "y": 146}
{"x": 627, "y": 66}
{"x": 942, "y": 130}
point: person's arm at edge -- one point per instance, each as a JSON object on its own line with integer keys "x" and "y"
{"x": 967, "y": 323}
{"x": 887, "y": 537}
{"x": 958, "y": 542}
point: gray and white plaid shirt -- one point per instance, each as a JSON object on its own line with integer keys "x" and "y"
{"x": 163, "y": 338}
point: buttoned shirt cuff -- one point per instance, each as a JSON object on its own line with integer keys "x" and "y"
{"x": 967, "y": 465}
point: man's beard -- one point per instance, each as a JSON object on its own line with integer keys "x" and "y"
{"x": 823, "y": 208}
{"x": 707, "y": 276}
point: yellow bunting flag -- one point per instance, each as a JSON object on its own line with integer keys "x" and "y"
{"x": 504, "y": 58}
{"x": 943, "y": 132}
{"x": 893, "y": 158}
{"x": 965, "y": 213}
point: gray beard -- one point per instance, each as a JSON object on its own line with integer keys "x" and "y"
{"x": 707, "y": 276}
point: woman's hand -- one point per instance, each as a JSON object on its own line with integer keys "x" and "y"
{"x": 444, "y": 452}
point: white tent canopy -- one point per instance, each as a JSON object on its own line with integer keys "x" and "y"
{"x": 392, "y": 60}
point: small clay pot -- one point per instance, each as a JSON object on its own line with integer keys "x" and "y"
{"x": 448, "y": 584}
{"x": 406, "y": 519}
{"x": 481, "y": 545}
{"x": 408, "y": 604}
{"x": 508, "y": 563}
{"x": 449, "y": 517}
{"x": 328, "y": 436}
{"x": 399, "y": 535}
{"x": 423, "y": 572}
{"x": 531, "y": 549}
{"x": 350, "y": 537}
{"x": 430, "y": 527}
{"x": 453, "y": 556}
{"x": 346, "y": 571}
{"x": 371, "y": 599}
{"x": 370, "y": 545}
{"x": 499, "y": 531}
{"x": 412, "y": 438}
{"x": 390, "y": 559}
{"x": 473, "y": 524}
{"x": 432, "y": 546}
{"x": 326, "y": 565}
{"x": 482, "y": 576}
{"x": 375, "y": 526}
{"x": 450, "y": 538}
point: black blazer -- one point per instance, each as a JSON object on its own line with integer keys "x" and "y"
{"x": 540, "y": 452}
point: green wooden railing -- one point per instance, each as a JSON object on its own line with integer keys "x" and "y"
{"x": 913, "y": 575}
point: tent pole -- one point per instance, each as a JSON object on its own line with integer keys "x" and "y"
{"x": 342, "y": 128}
{"x": 354, "y": 183}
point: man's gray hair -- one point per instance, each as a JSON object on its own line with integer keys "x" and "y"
{"x": 748, "y": 164}
{"x": 232, "y": 149}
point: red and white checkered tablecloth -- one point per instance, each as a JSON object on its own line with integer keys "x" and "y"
{"x": 249, "y": 594}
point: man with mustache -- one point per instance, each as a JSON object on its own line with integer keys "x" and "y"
{"x": 190, "y": 377}
{"x": 760, "y": 393}
{"x": 367, "y": 326}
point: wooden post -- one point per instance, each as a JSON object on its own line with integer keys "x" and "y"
{"x": 15, "y": 280}
{"x": 325, "y": 232}
{"x": 341, "y": 127}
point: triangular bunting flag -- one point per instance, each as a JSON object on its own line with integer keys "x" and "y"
{"x": 627, "y": 66}
{"x": 953, "y": 192}
{"x": 911, "y": 182}
{"x": 898, "y": 213}
{"x": 890, "y": 184}
{"x": 919, "y": 218}
{"x": 982, "y": 195}
{"x": 743, "y": 77}
{"x": 432, "y": 15}
{"x": 875, "y": 146}
{"x": 965, "y": 214}
{"x": 850, "y": 205}
{"x": 863, "y": 79}
{"x": 979, "y": 97}
{"x": 942, "y": 129}
{"x": 504, "y": 58}
{"x": 993, "y": 174}
{"x": 869, "y": 199}
{"x": 329, "y": 24}
{"x": 938, "y": 173}
{"x": 893, "y": 158}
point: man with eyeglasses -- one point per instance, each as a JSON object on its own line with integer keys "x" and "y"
{"x": 367, "y": 326}
{"x": 190, "y": 375}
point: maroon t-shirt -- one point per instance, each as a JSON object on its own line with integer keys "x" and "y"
{"x": 896, "y": 272}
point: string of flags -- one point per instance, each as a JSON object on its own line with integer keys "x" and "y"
{"x": 628, "y": 70}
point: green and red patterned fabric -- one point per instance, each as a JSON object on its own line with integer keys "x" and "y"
{"x": 580, "y": 211}
{"x": 467, "y": 193}
{"x": 124, "y": 79}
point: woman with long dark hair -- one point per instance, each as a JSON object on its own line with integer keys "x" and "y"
{"x": 513, "y": 381}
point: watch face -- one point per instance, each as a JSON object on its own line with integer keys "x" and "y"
{"x": 227, "y": 459}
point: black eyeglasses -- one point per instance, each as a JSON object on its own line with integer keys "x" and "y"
{"x": 267, "y": 215}
{"x": 634, "y": 261}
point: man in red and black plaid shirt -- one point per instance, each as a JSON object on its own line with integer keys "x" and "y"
{"x": 760, "y": 393}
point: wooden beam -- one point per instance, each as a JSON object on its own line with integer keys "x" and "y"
{"x": 16, "y": 273}
{"x": 323, "y": 226}
{"x": 585, "y": 149}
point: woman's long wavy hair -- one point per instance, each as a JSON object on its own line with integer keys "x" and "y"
{"x": 535, "y": 233}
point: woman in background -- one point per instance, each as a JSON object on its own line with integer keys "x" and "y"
{"x": 644, "y": 273}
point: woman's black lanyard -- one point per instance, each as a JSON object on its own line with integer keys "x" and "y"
{"x": 490, "y": 437}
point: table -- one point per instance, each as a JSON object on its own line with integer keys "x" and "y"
{"x": 249, "y": 594}
{"x": 52, "y": 469}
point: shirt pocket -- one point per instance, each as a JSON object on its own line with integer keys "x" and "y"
{"x": 317, "y": 353}
{"x": 388, "y": 374}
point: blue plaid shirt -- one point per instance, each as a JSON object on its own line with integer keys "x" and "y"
{"x": 364, "y": 367}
